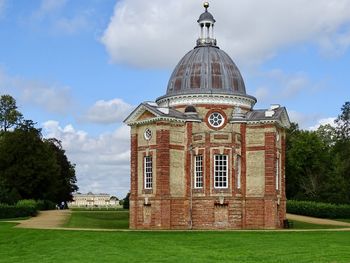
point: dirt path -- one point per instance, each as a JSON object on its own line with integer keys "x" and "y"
{"x": 54, "y": 219}
{"x": 46, "y": 219}
{"x": 319, "y": 221}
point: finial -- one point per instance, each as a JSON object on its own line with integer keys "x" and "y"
{"x": 206, "y": 5}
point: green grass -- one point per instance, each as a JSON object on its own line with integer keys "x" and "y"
{"x": 99, "y": 219}
{"x": 15, "y": 219}
{"x": 119, "y": 220}
{"x": 97, "y": 209}
{"x": 32, "y": 245}
{"x": 343, "y": 220}
{"x": 304, "y": 225}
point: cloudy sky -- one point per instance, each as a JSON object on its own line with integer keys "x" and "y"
{"x": 78, "y": 67}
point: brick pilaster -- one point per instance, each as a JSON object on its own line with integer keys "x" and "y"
{"x": 134, "y": 182}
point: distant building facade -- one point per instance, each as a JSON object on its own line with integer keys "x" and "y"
{"x": 93, "y": 200}
{"x": 201, "y": 156}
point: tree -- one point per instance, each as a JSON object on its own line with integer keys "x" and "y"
{"x": 126, "y": 201}
{"x": 328, "y": 134}
{"x": 341, "y": 149}
{"x": 66, "y": 184}
{"x": 9, "y": 115}
{"x": 308, "y": 164}
{"x": 28, "y": 166}
{"x": 343, "y": 122}
{"x": 318, "y": 163}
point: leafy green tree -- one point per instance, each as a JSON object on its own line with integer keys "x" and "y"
{"x": 66, "y": 184}
{"x": 9, "y": 115}
{"x": 307, "y": 164}
{"x": 318, "y": 163}
{"x": 27, "y": 165}
{"x": 328, "y": 134}
{"x": 343, "y": 122}
{"x": 341, "y": 149}
{"x": 126, "y": 201}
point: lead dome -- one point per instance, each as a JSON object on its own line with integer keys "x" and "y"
{"x": 206, "y": 69}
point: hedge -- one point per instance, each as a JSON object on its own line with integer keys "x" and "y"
{"x": 20, "y": 210}
{"x": 25, "y": 208}
{"x": 45, "y": 205}
{"x": 316, "y": 209}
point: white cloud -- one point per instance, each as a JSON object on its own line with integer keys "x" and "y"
{"x": 289, "y": 85}
{"x": 51, "y": 97}
{"x": 102, "y": 163}
{"x": 309, "y": 121}
{"x": 2, "y": 7}
{"x": 335, "y": 45}
{"x": 156, "y": 34}
{"x": 304, "y": 120}
{"x": 51, "y": 15}
{"x": 49, "y": 6}
{"x": 71, "y": 25}
{"x": 323, "y": 121}
{"x": 111, "y": 111}
{"x": 276, "y": 85}
{"x": 262, "y": 94}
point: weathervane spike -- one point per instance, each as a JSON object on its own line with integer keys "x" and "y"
{"x": 206, "y": 5}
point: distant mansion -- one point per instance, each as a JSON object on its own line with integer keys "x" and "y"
{"x": 93, "y": 200}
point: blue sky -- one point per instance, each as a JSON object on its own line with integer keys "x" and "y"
{"x": 78, "y": 67}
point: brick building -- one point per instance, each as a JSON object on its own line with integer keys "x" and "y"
{"x": 201, "y": 156}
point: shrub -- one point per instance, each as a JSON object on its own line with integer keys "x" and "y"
{"x": 27, "y": 202}
{"x": 126, "y": 203}
{"x": 24, "y": 208}
{"x": 45, "y": 205}
{"x": 13, "y": 211}
{"x": 315, "y": 209}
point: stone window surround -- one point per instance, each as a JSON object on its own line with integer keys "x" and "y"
{"x": 238, "y": 171}
{"x": 221, "y": 151}
{"x": 148, "y": 172}
{"x": 206, "y": 119}
{"x": 221, "y": 170}
{"x": 216, "y": 120}
{"x": 278, "y": 172}
{"x": 198, "y": 174}
{"x": 147, "y": 134}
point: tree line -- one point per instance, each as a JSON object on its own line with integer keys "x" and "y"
{"x": 318, "y": 162}
{"x": 31, "y": 167}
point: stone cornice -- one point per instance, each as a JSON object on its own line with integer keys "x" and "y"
{"x": 218, "y": 99}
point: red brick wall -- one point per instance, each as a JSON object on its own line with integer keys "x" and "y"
{"x": 238, "y": 211}
{"x": 133, "y": 182}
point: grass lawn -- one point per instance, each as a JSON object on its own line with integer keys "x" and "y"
{"x": 119, "y": 220}
{"x": 97, "y": 209}
{"x": 99, "y": 219}
{"x": 304, "y": 225}
{"x": 16, "y": 218}
{"x": 343, "y": 220}
{"x": 32, "y": 245}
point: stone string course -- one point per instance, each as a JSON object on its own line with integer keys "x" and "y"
{"x": 173, "y": 204}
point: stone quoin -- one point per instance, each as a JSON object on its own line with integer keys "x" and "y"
{"x": 201, "y": 156}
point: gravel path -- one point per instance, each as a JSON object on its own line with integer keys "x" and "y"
{"x": 319, "y": 221}
{"x": 55, "y": 219}
{"x": 46, "y": 219}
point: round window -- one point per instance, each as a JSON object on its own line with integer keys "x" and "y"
{"x": 216, "y": 119}
{"x": 147, "y": 134}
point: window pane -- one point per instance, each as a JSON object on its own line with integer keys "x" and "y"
{"x": 148, "y": 175}
{"x": 220, "y": 171}
{"x": 198, "y": 172}
{"x": 238, "y": 171}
